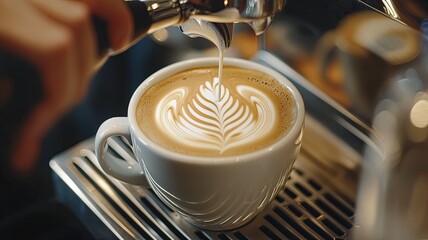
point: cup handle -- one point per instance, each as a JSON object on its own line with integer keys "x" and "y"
{"x": 112, "y": 165}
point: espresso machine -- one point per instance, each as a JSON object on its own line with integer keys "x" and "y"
{"x": 362, "y": 169}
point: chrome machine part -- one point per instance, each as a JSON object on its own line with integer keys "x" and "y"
{"x": 163, "y": 13}
{"x": 232, "y": 11}
{"x": 393, "y": 195}
{"x": 410, "y": 12}
{"x": 166, "y": 13}
{"x": 317, "y": 201}
{"x": 260, "y": 26}
{"x": 218, "y": 33}
{"x": 219, "y": 16}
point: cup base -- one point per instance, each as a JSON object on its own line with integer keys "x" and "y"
{"x": 217, "y": 227}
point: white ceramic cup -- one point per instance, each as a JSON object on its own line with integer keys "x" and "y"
{"x": 215, "y": 193}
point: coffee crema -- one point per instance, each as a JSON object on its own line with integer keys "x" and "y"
{"x": 183, "y": 113}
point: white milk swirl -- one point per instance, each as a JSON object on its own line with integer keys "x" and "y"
{"x": 238, "y": 118}
{"x": 183, "y": 113}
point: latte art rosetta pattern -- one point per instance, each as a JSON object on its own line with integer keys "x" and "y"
{"x": 239, "y": 117}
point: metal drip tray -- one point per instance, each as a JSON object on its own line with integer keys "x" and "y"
{"x": 317, "y": 201}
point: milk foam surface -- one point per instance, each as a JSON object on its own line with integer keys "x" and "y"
{"x": 183, "y": 112}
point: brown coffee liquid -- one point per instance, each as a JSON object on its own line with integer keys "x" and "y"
{"x": 183, "y": 113}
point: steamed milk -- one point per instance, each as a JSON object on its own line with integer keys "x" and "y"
{"x": 184, "y": 113}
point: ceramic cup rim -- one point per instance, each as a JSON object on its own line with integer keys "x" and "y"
{"x": 288, "y": 138}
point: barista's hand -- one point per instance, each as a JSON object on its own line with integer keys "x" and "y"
{"x": 57, "y": 37}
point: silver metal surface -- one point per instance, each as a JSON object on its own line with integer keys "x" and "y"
{"x": 394, "y": 186}
{"x": 150, "y": 16}
{"x": 317, "y": 201}
{"x": 220, "y": 34}
{"x": 163, "y": 13}
{"x": 231, "y": 11}
{"x": 410, "y": 12}
{"x": 258, "y": 14}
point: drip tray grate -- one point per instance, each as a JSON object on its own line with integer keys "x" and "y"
{"x": 306, "y": 208}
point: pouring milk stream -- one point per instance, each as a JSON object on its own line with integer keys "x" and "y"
{"x": 220, "y": 34}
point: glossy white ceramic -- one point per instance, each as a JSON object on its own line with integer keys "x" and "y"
{"x": 212, "y": 193}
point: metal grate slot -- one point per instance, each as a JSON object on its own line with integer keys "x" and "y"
{"x": 162, "y": 218}
{"x": 333, "y": 227}
{"x": 314, "y": 184}
{"x": 223, "y": 236}
{"x": 279, "y": 199}
{"x": 303, "y": 189}
{"x": 201, "y": 235}
{"x": 339, "y": 204}
{"x": 286, "y": 232}
{"x": 240, "y": 236}
{"x": 290, "y": 193}
{"x": 294, "y": 210}
{"x": 269, "y": 233}
{"x": 310, "y": 209}
{"x": 293, "y": 224}
{"x": 329, "y": 210}
{"x": 323, "y": 234}
{"x": 348, "y": 201}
